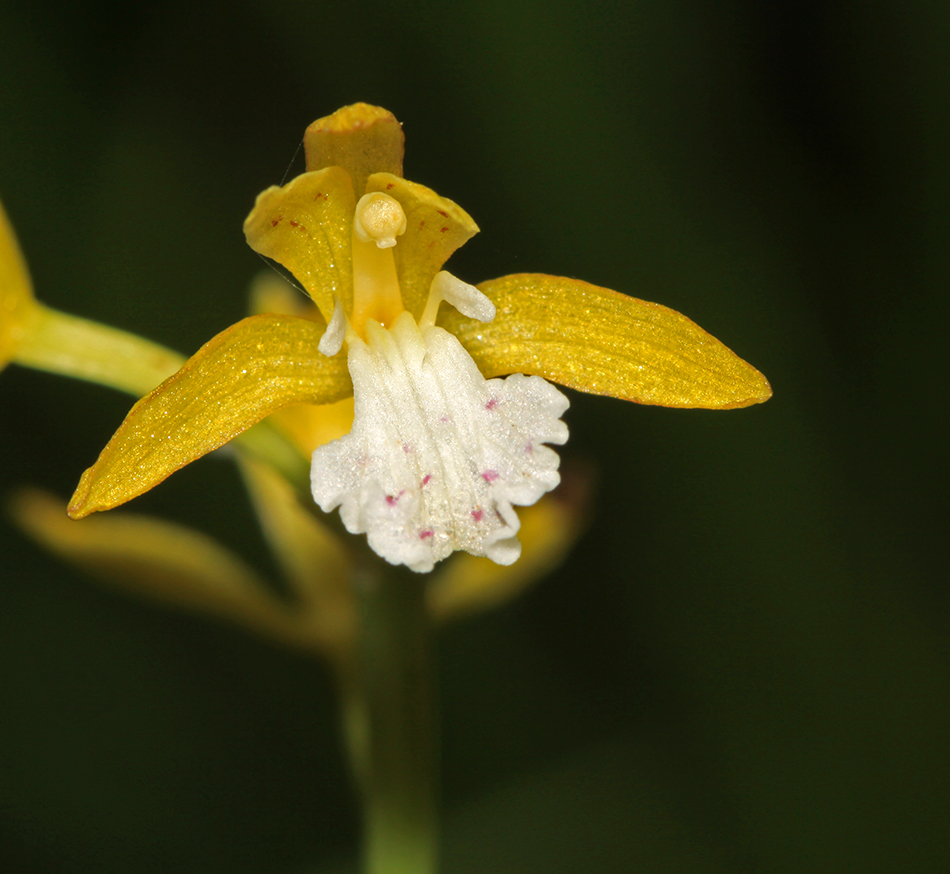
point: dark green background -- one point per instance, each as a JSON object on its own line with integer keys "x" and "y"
{"x": 744, "y": 665}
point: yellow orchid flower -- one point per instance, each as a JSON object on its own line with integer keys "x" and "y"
{"x": 440, "y": 450}
{"x": 34, "y": 335}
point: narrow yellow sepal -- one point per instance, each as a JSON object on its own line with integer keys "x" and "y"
{"x": 172, "y": 565}
{"x": 597, "y": 340}
{"x": 313, "y": 560}
{"x": 306, "y": 226}
{"x": 151, "y": 557}
{"x": 435, "y": 228}
{"x": 259, "y": 365}
{"x": 362, "y": 139}
{"x": 16, "y": 292}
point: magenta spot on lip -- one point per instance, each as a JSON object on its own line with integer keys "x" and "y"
{"x": 426, "y": 478}
{"x": 444, "y": 419}
{"x": 477, "y": 515}
{"x": 393, "y": 499}
{"x": 528, "y": 448}
{"x": 490, "y": 476}
{"x": 406, "y": 448}
{"x": 492, "y": 403}
{"x": 425, "y": 535}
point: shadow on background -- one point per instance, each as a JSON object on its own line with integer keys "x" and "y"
{"x": 743, "y": 666}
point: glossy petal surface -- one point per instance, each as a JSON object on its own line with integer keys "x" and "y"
{"x": 597, "y": 340}
{"x": 362, "y": 139}
{"x": 306, "y": 226}
{"x": 435, "y": 228}
{"x": 16, "y": 294}
{"x": 255, "y": 367}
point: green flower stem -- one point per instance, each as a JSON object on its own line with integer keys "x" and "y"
{"x": 399, "y": 778}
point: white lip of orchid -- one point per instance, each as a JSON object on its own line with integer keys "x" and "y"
{"x": 437, "y": 456}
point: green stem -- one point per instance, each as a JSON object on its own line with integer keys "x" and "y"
{"x": 399, "y": 775}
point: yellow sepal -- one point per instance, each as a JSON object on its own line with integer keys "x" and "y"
{"x": 597, "y": 340}
{"x": 16, "y": 292}
{"x": 362, "y": 139}
{"x": 150, "y": 557}
{"x": 435, "y": 228}
{"x": 306, "y": 226}
{"x": 313, "y": 560}
{"x": 259, "y": 365}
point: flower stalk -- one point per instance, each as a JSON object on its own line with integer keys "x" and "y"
{"x": 396, "y": 684}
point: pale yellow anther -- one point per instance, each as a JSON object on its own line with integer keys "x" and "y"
{"x": 379, "y": 219}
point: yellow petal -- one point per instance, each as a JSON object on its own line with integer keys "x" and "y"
{"x": 306, "y": 226}
{"x": 312, "y": 558}
{"x": 156, "y": 559}
{"x": 600, "y": 341}
{"x": 362, "y": 139}
{"x": 435, "y": 228}
{"x": 16, "y": 292}
{"x": 255, "y": 367}
{"x": 60, "y": 343}
{"x": 308, "y": 426}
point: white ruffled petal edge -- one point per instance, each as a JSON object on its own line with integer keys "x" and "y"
{"x": 437, "y": 455}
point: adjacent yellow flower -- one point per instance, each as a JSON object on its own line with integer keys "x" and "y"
{"x": 33, "y": 335}
{"x": 440, "y": 451}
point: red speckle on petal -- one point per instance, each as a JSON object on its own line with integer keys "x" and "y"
{"x": 443, "y": 230}
{"x": 490, "y": 476}
{"x": 276, "y": 221}
{"x": 426, "y": 479}
{"x": 390, "y": 185}
{"x": 425, "y": 535}
{"x": 422, "y": 223}
{"x": 442, "y": 213}
{"x": 477, "y": 515}
{"x": 294, "y": 224}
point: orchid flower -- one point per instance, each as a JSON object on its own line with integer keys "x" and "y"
{"x": 441, "y": 449}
